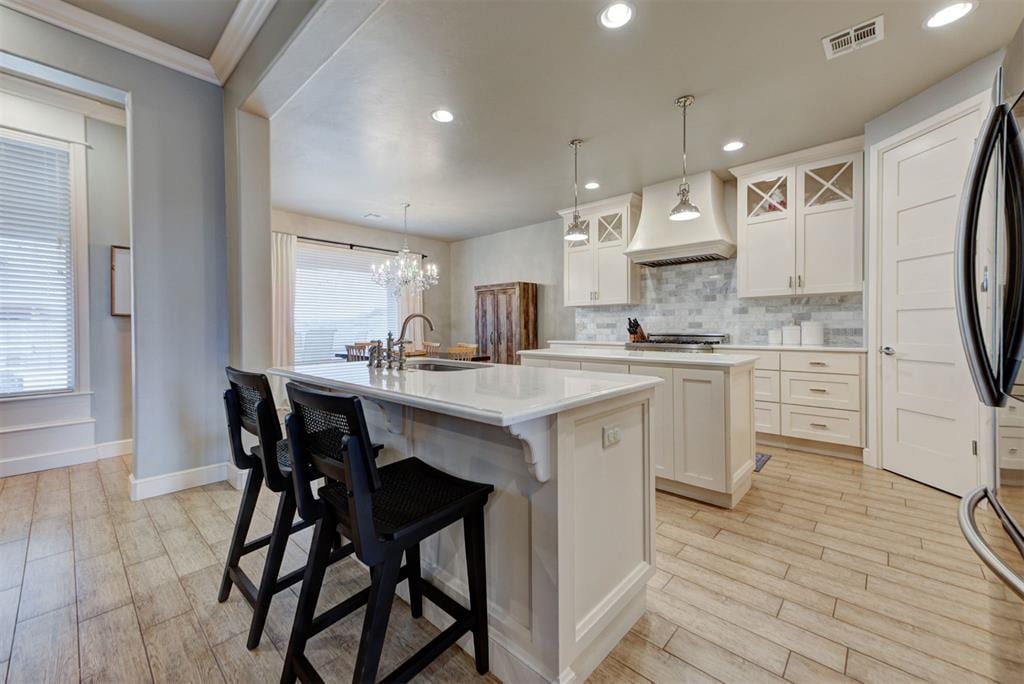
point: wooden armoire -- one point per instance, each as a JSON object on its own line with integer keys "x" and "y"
{"x": 506, "y": 320}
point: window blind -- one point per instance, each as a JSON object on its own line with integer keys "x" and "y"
{"x": 37, "y": 325}
{"x": 336, "y": 302}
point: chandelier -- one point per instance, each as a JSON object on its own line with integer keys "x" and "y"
{"x": 406, "y": 269}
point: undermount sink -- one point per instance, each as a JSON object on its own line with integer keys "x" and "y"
{"x": 442, "y": 367}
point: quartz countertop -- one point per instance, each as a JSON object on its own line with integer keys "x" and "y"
{"x": 654, "y": 357}
{"x": 614, "y": 344}
{"x": 496, "y": 394}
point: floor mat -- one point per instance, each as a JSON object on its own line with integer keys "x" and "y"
{"x": 759, "y": 460}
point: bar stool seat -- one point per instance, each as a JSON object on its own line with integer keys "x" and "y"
{"x": 284, "y": 456}
{"x": 412, "y": 496}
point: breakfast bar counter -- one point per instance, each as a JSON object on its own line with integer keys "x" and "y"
{"x": 570, "y": 454}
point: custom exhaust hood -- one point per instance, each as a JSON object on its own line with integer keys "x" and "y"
{"x": 661, "y": 242}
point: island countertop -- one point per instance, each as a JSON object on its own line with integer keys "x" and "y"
{"x": 654, "y": 358}
{"x": 501, "y": 395}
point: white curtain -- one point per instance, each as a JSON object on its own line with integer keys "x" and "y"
{"x": 282, "y": 278}
{"x": 410, "y": 302}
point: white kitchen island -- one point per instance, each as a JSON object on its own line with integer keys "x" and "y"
{"x": 570, "y": 526}
{"x": 703, "y": 414}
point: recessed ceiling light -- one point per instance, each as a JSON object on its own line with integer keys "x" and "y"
{"x": 442, "y": 116}
{"x": 616, "y": 15}
{"x": 949, "y": 14}
{"x": 592, "y": 185}
{"x": 733, "y": 145}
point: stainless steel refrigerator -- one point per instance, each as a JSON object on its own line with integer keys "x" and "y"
{"x": 989, "y": 262}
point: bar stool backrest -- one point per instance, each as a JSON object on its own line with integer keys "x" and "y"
{"x": 249, "y": 403}
{"x": 328, "y": 438}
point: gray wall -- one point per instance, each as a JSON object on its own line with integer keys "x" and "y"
{"x": 110, "y": 337}
{"x": 435, "y": 300}
{"x": 531, "y": 254}
{"x": 176, "y": 163}
{"x": 1013, "y": 64}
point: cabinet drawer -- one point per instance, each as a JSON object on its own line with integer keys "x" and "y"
{"x": 821, "y": 389}
{"x": 766, "y": 360}
{"x": 603, "y": 367}
{"x": 1011, "y": 450}
{"x": 567, "y": 365}
{"x": 821, "y": 362}
{"x": 823, "y": 425}
{"x": 766, "y": 417}
{"x": 766, "y": 385}
{"x": 1012, "y": 415}
{"x": 536, "y": 363}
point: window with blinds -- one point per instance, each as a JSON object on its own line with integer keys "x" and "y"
{"x": 336, "y": 302}
{"x": 37, "y": 300}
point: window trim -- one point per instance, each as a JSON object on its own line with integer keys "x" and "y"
{"x": 79, "y": 264}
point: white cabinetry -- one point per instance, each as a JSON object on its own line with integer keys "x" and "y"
{"x": 800, "y": 222}
{"x": 597, "y": 271}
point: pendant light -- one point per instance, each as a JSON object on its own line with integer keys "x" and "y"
{"x": 578, "y": 228}
{"x": 685, "y": 210}
{"x": 406, "y": 269}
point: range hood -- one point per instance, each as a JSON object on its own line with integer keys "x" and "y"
{"x": 661, "y": 242}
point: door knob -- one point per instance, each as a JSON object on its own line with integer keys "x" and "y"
{"x": 888, "y": 351}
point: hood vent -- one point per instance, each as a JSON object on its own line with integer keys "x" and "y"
{"x": 661, "y": 242}
{"x": 854, "y": 38}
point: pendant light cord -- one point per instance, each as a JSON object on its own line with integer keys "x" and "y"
{"x": 685, "y": 106}
{"x": 575, "y": 142}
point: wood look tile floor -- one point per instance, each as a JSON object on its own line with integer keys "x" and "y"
{"x": 827, "y": 571}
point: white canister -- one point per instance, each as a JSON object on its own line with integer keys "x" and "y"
{"x": 775, "y": 336}
{"x": 812, "y": 333}
{"x": 791, "y": 334}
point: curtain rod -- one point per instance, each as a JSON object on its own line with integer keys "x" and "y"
{"x": 48, "y": 137}
{"x": 352, "y": 245}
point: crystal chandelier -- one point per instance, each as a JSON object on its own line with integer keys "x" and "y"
{"x": 405, "y": 269}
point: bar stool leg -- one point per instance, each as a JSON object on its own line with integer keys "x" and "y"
{"x": 375, "y": 624}
{"x": 476, "y": 571}
{"x": 253, "y": 484}
{"x": 272, "y": 568}
{"x": 312, "y": 581}
{"x": 412, "y": 561}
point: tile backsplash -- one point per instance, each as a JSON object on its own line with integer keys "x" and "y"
{"x": 702, "y": 296}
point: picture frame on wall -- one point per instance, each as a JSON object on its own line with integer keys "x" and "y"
{"x": 120, "y": 281}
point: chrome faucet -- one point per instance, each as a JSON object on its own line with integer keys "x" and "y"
{"x": 402, "y": 341}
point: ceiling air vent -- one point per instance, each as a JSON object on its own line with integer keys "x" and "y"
{"x": 854, "y": 38}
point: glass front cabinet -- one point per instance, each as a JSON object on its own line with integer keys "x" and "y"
{"x": 597, "y": 272}
{"x": 800, "y": 222}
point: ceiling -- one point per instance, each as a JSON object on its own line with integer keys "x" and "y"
{"x": 192, "y": 25}
{"x": 523, "y": 78}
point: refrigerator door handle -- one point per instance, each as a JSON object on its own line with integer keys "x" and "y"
{"x": 1013, "y": 307}
{"x": 969, "y": 527}
{"x": 985, "y": 378}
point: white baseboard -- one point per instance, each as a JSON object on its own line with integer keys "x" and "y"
{"x": 60, "y": 459}
{"x": 159, "y": 485}
{"x": 121, "y": 447}
{"x": 236, "y": 477}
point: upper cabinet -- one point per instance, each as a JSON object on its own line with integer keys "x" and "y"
{"x": 597, "y": 271}
{"x": 800, "y": 222}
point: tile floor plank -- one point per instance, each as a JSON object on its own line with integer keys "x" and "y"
{"x": 111, "y": 648}
{"x": 46, "y": 649}
{"x": 178, "y": 652}
{"x": 49, "y": 584}
{"x": 102, "y": 585}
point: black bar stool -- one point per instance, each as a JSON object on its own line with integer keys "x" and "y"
{"x": 250, "y": 406}
{"x": 386, "y": 512}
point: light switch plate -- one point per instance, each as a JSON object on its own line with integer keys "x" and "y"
{"x": 610, "y": 435}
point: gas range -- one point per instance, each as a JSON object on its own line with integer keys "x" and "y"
{"x": 685, "y": 342}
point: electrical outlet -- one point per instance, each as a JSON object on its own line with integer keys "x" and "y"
{"x": 610, "y": 435}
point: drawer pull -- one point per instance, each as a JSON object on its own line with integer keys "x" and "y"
{"x": 819, "y": 425}
{"x": 1013, "y": 450}
{"x": 817, "y": 363}
{"x": 820, "y": 390}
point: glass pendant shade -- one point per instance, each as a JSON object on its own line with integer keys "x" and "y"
{"x": 405, "y": 270}
{"x": 685, "y": 210}
{"x": 577, "y": 229}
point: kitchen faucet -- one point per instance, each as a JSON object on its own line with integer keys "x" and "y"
{"x": 377, "y": 354}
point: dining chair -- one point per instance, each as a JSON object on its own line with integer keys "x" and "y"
{"x": 461, "y": 353}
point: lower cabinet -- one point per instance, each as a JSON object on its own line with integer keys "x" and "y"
{"x": 664, "y": 420}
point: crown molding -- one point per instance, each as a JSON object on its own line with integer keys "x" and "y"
{"x": 245, "y": 23}
{"x": 243, "y": 26}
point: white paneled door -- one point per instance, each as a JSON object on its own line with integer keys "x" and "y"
{"x": 929, "y": 409}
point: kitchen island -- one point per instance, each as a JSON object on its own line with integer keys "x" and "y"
{"x": 704, "y": 432}
{"x": 570, "y": 526}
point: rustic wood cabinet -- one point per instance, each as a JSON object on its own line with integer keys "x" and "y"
{"x": 506, "y": 320}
